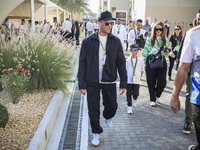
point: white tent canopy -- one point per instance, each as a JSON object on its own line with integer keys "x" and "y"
{"x": 52, "y": 11}
{"x": 15, "y": 10}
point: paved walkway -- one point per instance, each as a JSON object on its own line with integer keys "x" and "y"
{"x": 147, "y": 128}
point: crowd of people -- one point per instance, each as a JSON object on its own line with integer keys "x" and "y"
{"x": 67, "y": 30}
{"x": 102, "y": 59}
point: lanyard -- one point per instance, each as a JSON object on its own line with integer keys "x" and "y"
{"x": 118, "y": 26}
{"x": 135, "y": 65}
{"x": 104, "y": 48}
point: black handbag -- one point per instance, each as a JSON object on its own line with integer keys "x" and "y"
{"x": 156, "y": 60}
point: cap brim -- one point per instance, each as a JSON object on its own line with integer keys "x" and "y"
{"x": 135, "y": 49}
{"x": 106, "y": 19}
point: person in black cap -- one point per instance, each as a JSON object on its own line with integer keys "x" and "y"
{"x": 135, "y": 69}
{"x": 101, "y": 57}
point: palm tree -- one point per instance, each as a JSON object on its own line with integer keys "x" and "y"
{"x": 74, "y": 6}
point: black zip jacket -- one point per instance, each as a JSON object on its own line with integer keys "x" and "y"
{"x": 88, "y": 71}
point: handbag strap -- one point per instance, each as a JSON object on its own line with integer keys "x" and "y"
{"x": 160, "y": 49}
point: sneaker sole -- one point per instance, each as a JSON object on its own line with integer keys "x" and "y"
{"x": 186, "y": 132}
{"x": 95, "y": 145}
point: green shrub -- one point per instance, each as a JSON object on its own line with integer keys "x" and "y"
{"x": 4, "y": 116}
{"x": 48, "y": 59}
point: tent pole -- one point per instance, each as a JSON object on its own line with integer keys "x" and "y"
{"x": 32, "y": 15}
{"x": 57, "y": 15}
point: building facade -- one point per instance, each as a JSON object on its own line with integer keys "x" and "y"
{"x": 118, "y": 8}
{"x": 177, "y": 12}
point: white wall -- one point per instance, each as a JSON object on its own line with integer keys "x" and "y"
{"x": 140, "y": 8}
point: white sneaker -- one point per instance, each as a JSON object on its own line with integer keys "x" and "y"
{"x": 152, "y": 104}
{"x": 96, "y": 139}
{"x": 109, "y": 123}
{"x": 129, "y": 110}
{"x": 159, "y": 100}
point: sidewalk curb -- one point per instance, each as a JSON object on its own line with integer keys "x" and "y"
{"x": 44, "y": 130}
{"x": 53, "y": 120}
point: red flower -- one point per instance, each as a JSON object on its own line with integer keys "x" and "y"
{"x": 18, "y": 69}
{"x": 25, "y": 71}
{"x": 6, "y": 70}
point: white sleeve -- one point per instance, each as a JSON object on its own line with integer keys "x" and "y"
{"x": 125, "y": 35}
{"x": 131, "y": 36}
{"x": 187, "y": 54}
{"x": 114, "y": 30}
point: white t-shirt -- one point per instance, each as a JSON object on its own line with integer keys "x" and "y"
{"x": 139, "y": 68}
{"x": 191, "y": 54}
{"x": 101, "y": 55}
{"x": 67, "y": 25}
{"x": 132, "y": 36}
{"x": 90, "y": 26}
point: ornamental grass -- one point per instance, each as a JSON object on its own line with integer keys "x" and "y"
{"x": 48, "y": 58}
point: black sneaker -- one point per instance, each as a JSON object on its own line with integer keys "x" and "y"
{"x": 187, "y": 127}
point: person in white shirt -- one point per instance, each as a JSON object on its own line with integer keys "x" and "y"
{"x": 96, "y": 26}
{"x": 90, "y": 27}
{"x": 120, "y": 31}
{"x": 190, "y": 61}
{"x": 135, "y": 34}
{"x": 135, "y": 69}
{"x": 22, "y": 27}
{"x": 153, "y": 23}
{"x": 66, "y": 27}
{"x": 45, "y": 27}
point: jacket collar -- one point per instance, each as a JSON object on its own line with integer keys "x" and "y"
{"x": 95, "y": 35}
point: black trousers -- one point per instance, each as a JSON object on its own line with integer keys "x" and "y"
{"x": 171, "y": 64}
{"x": 132, "y": 90}
{"x": 67, "y": 35}
{"x": 77, "y": 38}
{"x": 109, "y": 101}
{"x": 196, "y": 120}
{"x": 156, "y": 80}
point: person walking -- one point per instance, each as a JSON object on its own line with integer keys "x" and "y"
{"x": 136, "y": 33}
{"x": 77, "y": 32}
{"x": 101, "y": 59}
{"x": 166, "y": 27}
{"x": 175, "y": 41}
{"x": 153, "y": 23}
{"x": 190, "y": 60}
{"x": 66, "y": 27}
{"x": 90, "y": 27}
{"x": 128, "y": 27}
{"x": 156, "y": 78}
{"x": 147, "y": 28}
{"x": 85, "y": 24}
{"x": 120, "y": 31}
{"x": 135, "y": 69}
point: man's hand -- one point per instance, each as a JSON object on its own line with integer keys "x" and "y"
{"x": 122, "y": 91}
{"x": 175, "y": 104}
{"x": 83, "y": 91}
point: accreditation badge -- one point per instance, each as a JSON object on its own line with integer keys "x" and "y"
{"x": 134, "y": 79}
{"x": 103, "y": 60}
{"x": 177, "y": 48}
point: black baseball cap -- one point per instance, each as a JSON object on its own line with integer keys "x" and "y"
{"x": 134, "y": 46}
{"x": 105, "y": 16}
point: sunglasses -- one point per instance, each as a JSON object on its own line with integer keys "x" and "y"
{"x": 158, "y": 29}
{"x": 107, "y": 23}
{"x": 177, "y": 29}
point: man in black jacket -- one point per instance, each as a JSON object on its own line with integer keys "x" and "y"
{"x": 100, "y": 58}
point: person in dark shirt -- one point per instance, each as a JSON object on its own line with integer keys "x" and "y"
{"x": 175, "y": 41}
